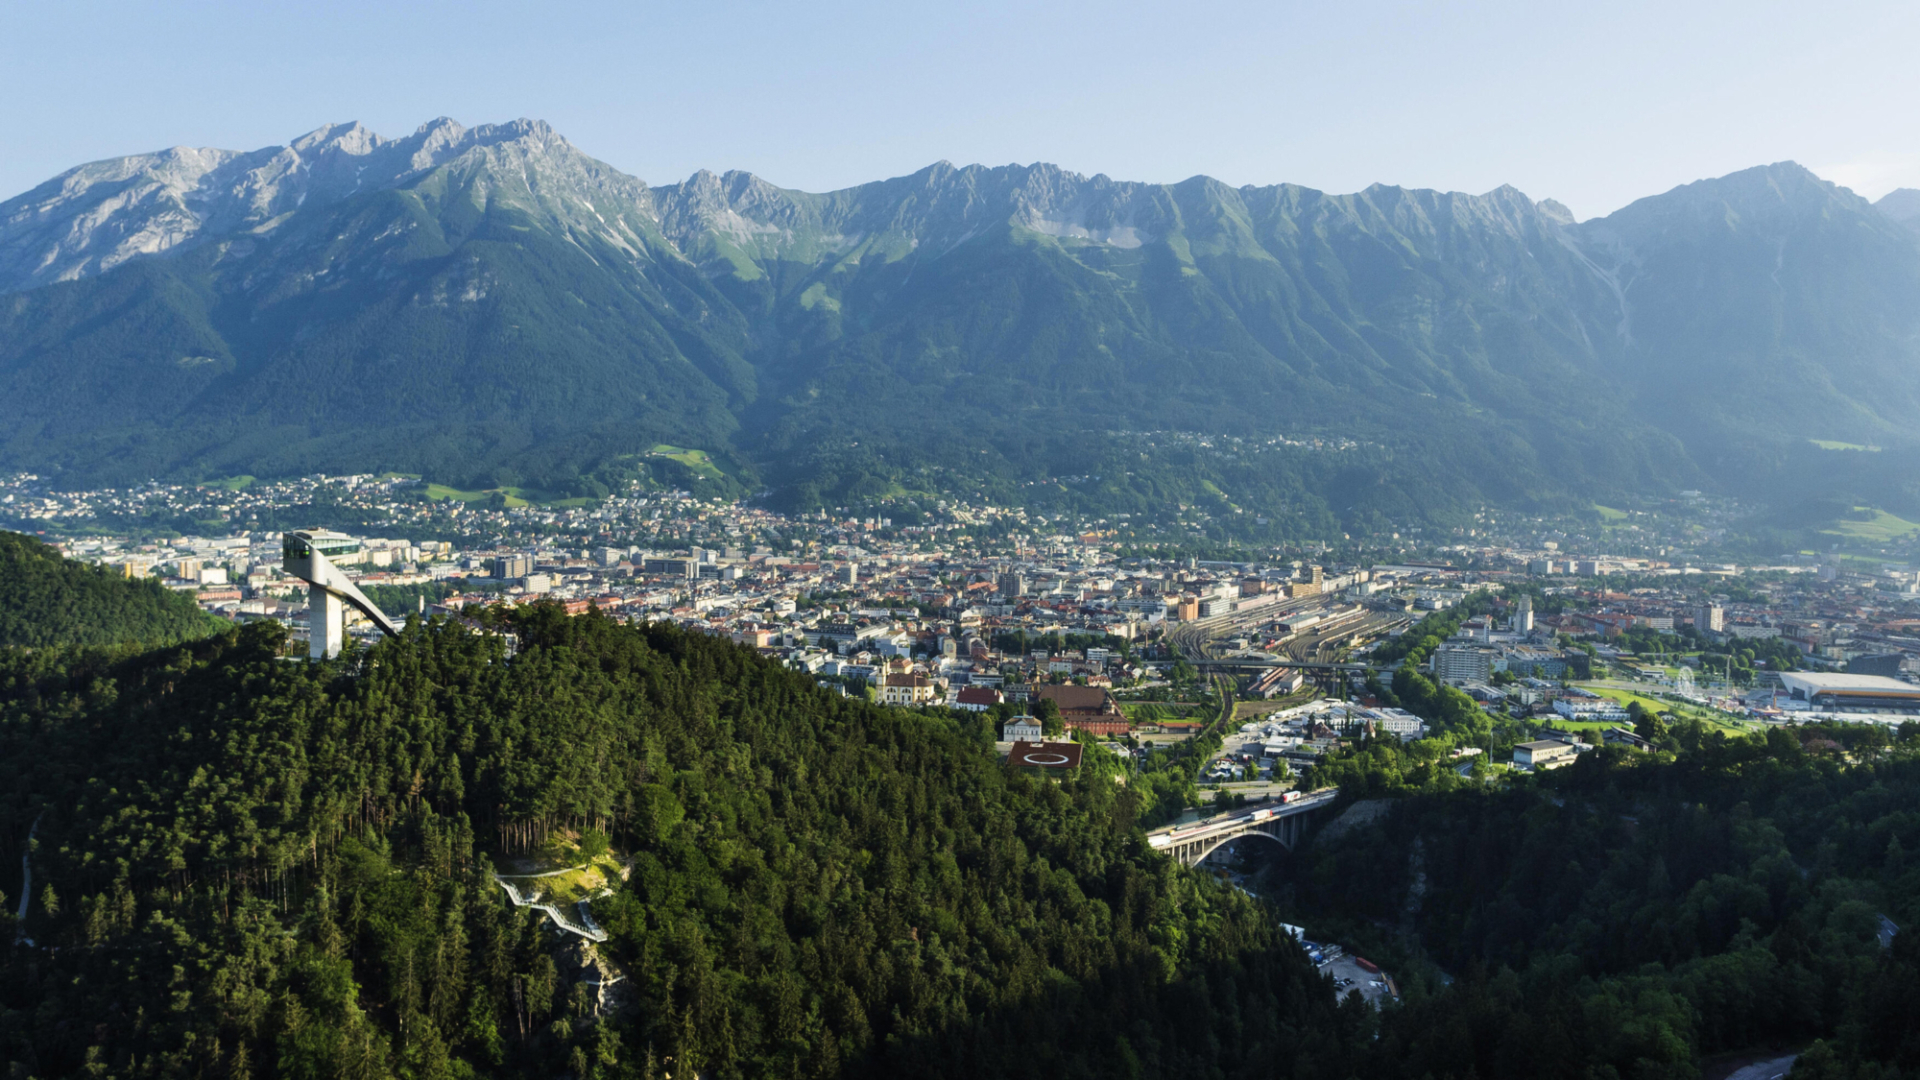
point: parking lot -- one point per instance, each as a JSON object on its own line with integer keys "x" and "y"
{"x": 1350, "y": 977}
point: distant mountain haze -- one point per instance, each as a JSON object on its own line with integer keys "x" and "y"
{"x": 1902, "y": 205}
{"x": 491, "y": 303}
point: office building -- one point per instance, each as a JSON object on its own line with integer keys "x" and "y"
{"x": 1710, "y": 619}
{"x": 1462, "y": 663}
{"x": 1886, "y": 665}
{"x": 681, "y": 568}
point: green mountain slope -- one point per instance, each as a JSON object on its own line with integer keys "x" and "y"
{"x": 48, "y": 600}
{"x": 491, "y": 305}
{"x": 1766, "y": 303}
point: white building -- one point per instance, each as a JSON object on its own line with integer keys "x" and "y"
{"x": 1845, "y": 693}
{"x": 906, "y": 690}
{"x": 1398, "y": 722}
{"x": 1463, "y": 663}
{"x": 1544, "y": 754}
{"x": 1020, "y": 729}
{"x": 1605, "y": 709}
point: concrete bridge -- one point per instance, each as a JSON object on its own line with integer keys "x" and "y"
{"x": 1283, "y": 823}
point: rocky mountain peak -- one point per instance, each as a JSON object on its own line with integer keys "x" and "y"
{"x": 1760, "y": 196}
{"x": 98, "y": 216}
{"x": 348, "y": 138}
{"x": 1556, "y": 211}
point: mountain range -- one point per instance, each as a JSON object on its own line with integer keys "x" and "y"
{"x": 491, "y": 305}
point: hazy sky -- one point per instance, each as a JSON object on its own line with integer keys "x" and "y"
{"x": 1593, "y": 104}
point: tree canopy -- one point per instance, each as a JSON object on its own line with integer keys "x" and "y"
{"x": 272, "y": 866}
{"x": 47, "y": 599}
{"x": 251, "y": 865}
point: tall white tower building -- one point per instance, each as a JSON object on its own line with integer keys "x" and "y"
{"x": 1711, "y": 618}
{"x": 304, "y": 554}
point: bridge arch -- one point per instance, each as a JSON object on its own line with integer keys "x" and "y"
{"x": 1225, "y": 840}
{"x": 1285, "y": 824}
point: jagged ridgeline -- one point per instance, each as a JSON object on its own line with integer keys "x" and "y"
{"x": 492, "y": 306}
{"x": 251, "y": 866}
{"x": 47, "y": 600}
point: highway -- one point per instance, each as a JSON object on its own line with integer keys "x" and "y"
{"x": 1253, "y": 789}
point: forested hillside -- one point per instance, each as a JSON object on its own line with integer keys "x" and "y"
{"x": 256, "y": 867}
{"x": 47, "y": 599}
{"x": 1639, "y": 914}
{"x": 246, "y": 865}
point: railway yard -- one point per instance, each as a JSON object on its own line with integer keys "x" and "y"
{"x": 1316, "y": 635}
{"x": 1312, "y": 630}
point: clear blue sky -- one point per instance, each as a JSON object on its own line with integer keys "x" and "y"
{"x": 1594, "y": 104}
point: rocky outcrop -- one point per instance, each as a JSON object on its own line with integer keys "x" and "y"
{"x": 582, "y": 964}
{"x": 1359, "y": 815}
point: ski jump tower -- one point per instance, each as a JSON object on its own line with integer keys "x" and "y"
{"x": 304, "y": 555}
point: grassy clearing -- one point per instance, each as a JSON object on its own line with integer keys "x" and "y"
{"x": 442, "y": 491}
{"x": 1628, "y": 697}
{"x": 699, "y": 461}
{"x": 1582, "y": 725}
{"x": 1608, "y": 513}
{"x": 816, "y": 296}
{"x": 1882, "y": 528}
{"x": 232, "y": 483}
{"x": 1833, "y": 444}
{"x": 513, "y": 496}
{"x": 1710, "y": 717}
{"x": 1151, "y": 712}
{"x": 572, "y": 884}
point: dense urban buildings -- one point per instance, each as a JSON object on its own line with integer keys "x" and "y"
{"x": 973, "y": 606}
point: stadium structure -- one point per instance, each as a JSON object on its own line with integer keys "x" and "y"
{"x": 1838, "y": 692}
